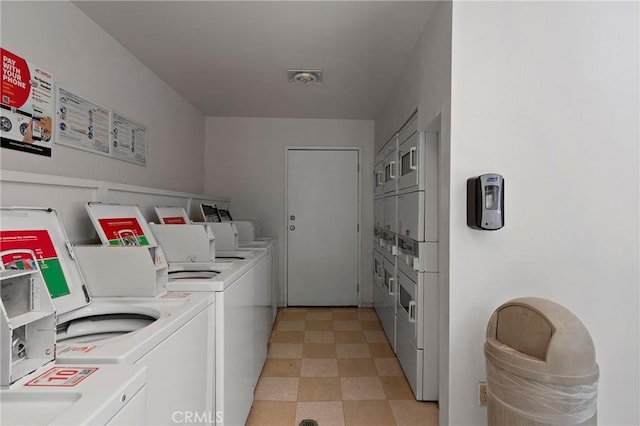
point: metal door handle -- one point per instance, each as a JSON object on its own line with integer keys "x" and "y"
{"x": 292, "y": 228}
{"x": 391, "y": 290}
{"x": 412, "y": 160}
{"x": 412, "y": 311}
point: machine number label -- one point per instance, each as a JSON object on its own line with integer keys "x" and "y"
{"x": 84, "y": 349}
{"x": 174, "y": 295}
{"x": 62, "y": 376}
{"x": 177, "y": 220}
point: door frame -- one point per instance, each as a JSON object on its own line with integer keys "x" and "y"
{"x": 285, "y": 272}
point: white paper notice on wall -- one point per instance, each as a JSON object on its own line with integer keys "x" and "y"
{"x": 88, "y": 126}
{"x": 128, "y": 140}
{"x": 26, "y": 116}
{"x": 82, "y": 124}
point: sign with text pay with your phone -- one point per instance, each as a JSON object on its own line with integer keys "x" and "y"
{"x": 26, "y": 101}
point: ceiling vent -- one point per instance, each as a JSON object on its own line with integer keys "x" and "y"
{"x": 305, "y": 76}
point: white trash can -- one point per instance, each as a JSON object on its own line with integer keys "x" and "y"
{"x": 541, "y": 366}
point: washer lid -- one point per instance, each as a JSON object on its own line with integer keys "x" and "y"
{"x": 120, "y": 224}
{"x": 26, "y": 232}
{"x": 172, "y": 215}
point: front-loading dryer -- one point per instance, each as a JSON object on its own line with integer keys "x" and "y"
{"x": 164, "y": 332}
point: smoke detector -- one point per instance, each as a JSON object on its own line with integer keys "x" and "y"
{"x": 305, "y": 76}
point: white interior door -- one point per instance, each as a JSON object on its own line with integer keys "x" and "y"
{"x": 322, "y": 227}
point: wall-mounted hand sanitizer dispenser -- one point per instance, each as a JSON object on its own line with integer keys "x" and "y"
{"x": 485, "y": 202}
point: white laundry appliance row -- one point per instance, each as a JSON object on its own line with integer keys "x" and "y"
{"x": 149, "y": 328}
{"x": 406, "y": 253}
{"x": 117, "y": 304}
{"x": 204, "y": 258}
{"x": 230, "y": 235}
{"x": 245, "y": 234}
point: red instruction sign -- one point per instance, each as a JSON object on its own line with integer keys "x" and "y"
{"x": 26, "y": 121}
{"x": 178, "y": 220}
{"x": 125, "y": 231}
{"x": 30, "y": 249}
{"x": 36, "y": 240}
{"x": 16, "y": 80}
{"x": 62, "y": 377}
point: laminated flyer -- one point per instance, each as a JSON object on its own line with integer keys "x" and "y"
{"x": 82, "y": 124}
{"x": 26, "y": 114}
{"x": 20, "y": 250}
{"x": 128, "y": 140}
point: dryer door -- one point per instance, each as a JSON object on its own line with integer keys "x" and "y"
{"x": 410, "y": 215}
{"x": 407, "y": 306}
{"x": 390, "y": 214}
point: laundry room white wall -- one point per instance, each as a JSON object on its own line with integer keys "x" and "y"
{"x": 425, "y": 83}
{"x": 83, "y": 58}
{"x": 245, "y": 159}
{"x": 547, "y": 94}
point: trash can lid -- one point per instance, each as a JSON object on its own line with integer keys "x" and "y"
{"x": 541, "y": 340}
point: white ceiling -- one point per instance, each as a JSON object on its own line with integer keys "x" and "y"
{"x": 229, "y": 58}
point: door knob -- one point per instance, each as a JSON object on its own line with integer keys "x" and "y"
{"x": 292, "y": 228}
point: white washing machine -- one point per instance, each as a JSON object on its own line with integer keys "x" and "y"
{"x": 264, "y": 292}
{"x": 213, "y": 213}
{"x": 165, "y": 333}
{"x": 233, "y": 241}
{"x": 171, "y": 339}
{"x": 243, "y": 315}
{"x": 239, "y": 283}
{"x": 243, "y": 326}
{"x": 34, "y": 389}
{"x": 228, "y": 243}
{"x": 229, "y": 246}
{"x": 238, "y": 236}
{"x": 247, "y": 240}
{"x": 247, "y": 237}
{"x": 231, "y": 235}
{"x": 195, "y": 242}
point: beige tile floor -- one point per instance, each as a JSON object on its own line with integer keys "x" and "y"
{"x": 335, "y": 366}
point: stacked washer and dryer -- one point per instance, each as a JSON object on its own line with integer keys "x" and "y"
{"x": 112, "y": 307}
{"x": 406, "y": 253}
